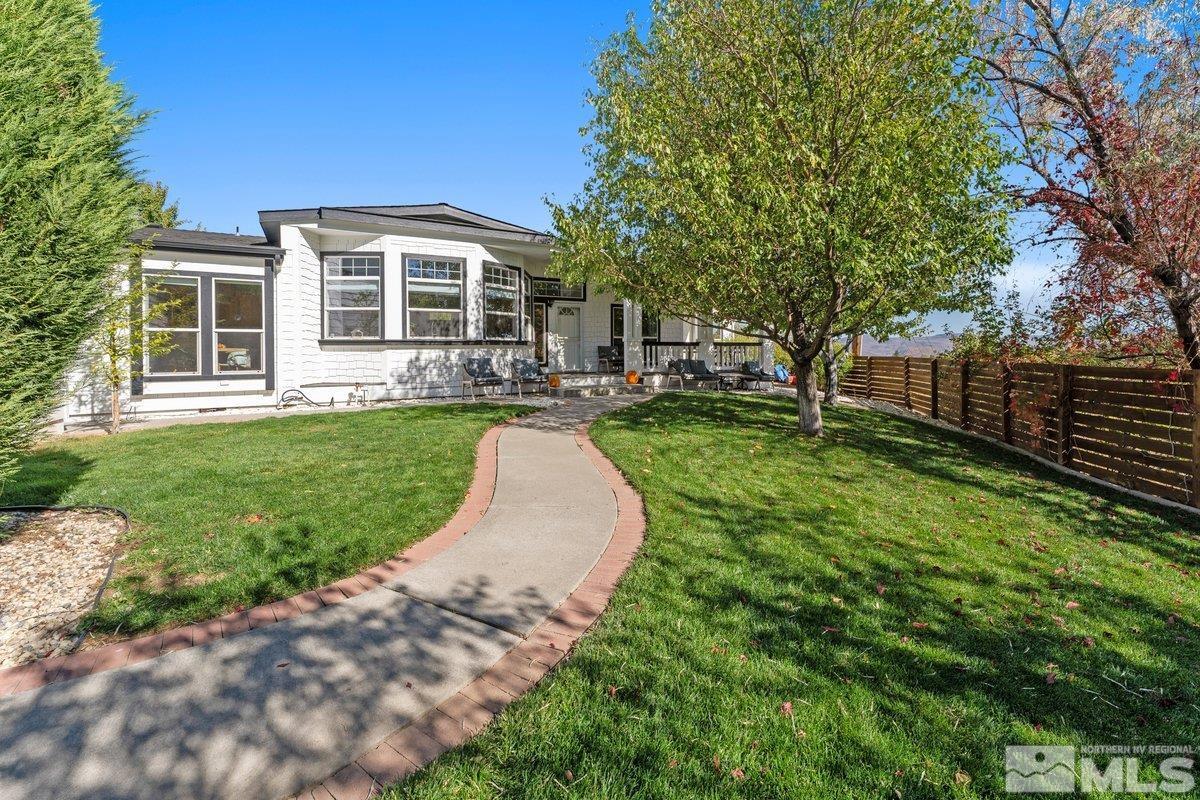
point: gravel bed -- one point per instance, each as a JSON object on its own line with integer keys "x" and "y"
{"x": 52, "y": 563}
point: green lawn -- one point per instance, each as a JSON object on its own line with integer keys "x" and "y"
{"x": 232, "y": 515}
{"x": 871, "y": 615}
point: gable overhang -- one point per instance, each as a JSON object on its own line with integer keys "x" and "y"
{"x": 358, "y": 223}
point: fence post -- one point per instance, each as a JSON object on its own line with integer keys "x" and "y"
{"x": 869, "y": 377}
{"x": 933, "y": 386}
{"x": 964, "y": 389}
{"x": 907, "y": 399}
{"x": 1195, "y": 487}
{"x": 1063, "y": 406}
{"x": 1006, "y": 401}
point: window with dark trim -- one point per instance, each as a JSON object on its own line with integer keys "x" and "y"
{"x": 435, "y": 297}
{"x": 501, "y": 302}
{"x": 238, "y": 325}
{"x": 651, "y": 327}
{"x": 353, "y": 296}
{"x": 171, "y": 308}
{"x": 616, "y": 324}
{"x": 553, "y": 287}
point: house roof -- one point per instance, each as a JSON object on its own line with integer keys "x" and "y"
{"x": 430, "y": 216}
{"x": 205, "y": 241}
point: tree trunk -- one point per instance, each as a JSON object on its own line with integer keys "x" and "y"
{"x": 1181, "y": 307}
{"x": 808, "y": 408}
{"x": 831, "y": 375}
{"x": 115, "y": 425}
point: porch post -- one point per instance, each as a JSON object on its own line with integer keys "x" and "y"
{"x": 706, "y": 350}
{"x": 767, "y": 356}
{"x": 633, "y": 336}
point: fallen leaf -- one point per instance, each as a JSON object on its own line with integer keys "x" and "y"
{"x": 254, "y": 518}
{"x": 786, "y": 708}
{"x": 1072, "y": 605}
{"x": 920, "y": 625}
{"x": 570, "y": 776}
{"x": 612, "y": 691}
{"x": 717, "y": 763}
{"x": 961, "y": 778}
{"x": 880, "y": 589}
{"x": 830, "y": 629}
{"x": 737, "y": 773}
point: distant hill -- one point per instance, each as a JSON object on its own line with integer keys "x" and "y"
{"x": 920, "y": 346}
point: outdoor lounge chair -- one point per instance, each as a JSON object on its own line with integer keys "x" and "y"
{"x": 695, "y": 369}
{"x": 609, "y": 358}
{"x": 528, "y": 370}
{"x": 752, "y": 372}
{"x": 479, "y": 372}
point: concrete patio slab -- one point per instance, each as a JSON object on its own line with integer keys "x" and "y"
{"x": 259, "y": 715}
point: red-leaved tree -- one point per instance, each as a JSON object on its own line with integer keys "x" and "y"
{"x": 1101, "y": 100}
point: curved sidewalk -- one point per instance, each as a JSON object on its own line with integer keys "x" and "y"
{"x": 359, "y": 693}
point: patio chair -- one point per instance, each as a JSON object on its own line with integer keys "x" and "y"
{"x": 528, "y": 370}
{"x": 479, "y": 372}
{"x": 694, "y": 370}
{"x": 752, "y": 372}
{"x": 609, "y": 358}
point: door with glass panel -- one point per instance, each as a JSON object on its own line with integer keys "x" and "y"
{"x": 568, "y": 329}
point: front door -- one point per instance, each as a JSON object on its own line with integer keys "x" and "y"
{"x": 568, "y": 329}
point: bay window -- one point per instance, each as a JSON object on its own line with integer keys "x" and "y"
{"x": 353, "y": 299}
{"x": 501, "y": 301}
{"x": 238, "y": 325}
{"x": 435, "y": 297}
{"x": 171, "y": 308}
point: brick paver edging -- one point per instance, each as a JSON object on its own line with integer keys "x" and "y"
{"x": 76, "y": 665}
{"x": 467, "y": 712}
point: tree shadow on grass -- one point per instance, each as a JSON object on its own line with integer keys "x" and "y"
{"x": 44, "y": 477}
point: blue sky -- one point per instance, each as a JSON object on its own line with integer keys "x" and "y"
{"x": 265, "y": 105}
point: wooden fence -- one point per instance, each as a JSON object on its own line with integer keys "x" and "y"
{"x": 1136, "y": 428}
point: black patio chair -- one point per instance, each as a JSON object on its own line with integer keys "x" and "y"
{"x": 752, "y": 372}
{"x": 695, "y": 369}
{"x": 528, "y": 370}
{"x": 479, "y": 372}
{"x": 610, "y": 358}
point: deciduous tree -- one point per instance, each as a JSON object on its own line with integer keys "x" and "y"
{"x": 812, "y": 169}
{"x": 1101, "y": 99}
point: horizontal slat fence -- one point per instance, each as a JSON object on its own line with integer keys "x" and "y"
{"x": 1136, "y": 428}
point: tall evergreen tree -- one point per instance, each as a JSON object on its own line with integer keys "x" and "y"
{"x": 68, "y": 201}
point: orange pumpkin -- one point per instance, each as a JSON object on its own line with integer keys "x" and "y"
{"x": 555, "y": 380}
{"x": 632, "y": 377}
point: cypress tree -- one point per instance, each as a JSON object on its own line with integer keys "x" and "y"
{"x": 68, "y": 198}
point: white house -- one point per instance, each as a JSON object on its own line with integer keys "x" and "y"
{"x": 386, "y": 300}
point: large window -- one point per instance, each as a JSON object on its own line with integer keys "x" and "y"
{"x": 501, "y": 302}
{"x": 238, "y": 325}
{"x": 352, "y": 296}
{"x": 435, "y": 292}
{"x": 172, "y": 313}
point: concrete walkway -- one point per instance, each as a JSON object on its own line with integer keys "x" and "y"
{"x": 268, "y": 712}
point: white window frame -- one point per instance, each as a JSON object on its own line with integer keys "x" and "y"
{"x": 261, "y": 331}
{"x": 409, "y": 282}
{"x": 148, "y": 280}
{"x": 510, "y": 273}
{"x": 327, "y": 280}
